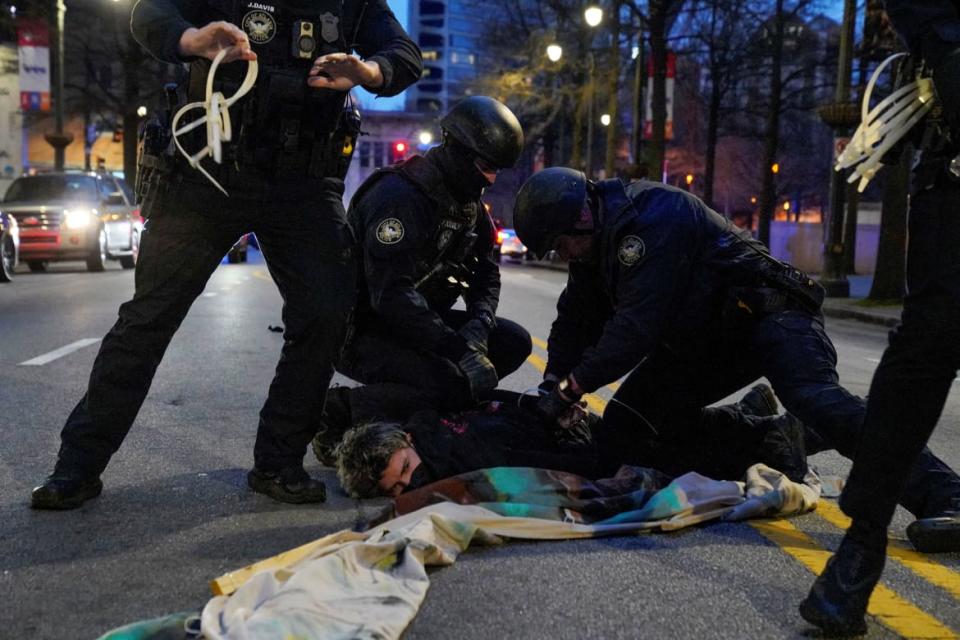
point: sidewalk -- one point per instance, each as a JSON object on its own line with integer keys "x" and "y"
{"x": 853, "y": 308}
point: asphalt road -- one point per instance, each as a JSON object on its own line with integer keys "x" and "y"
{"x": 176, "y": 512}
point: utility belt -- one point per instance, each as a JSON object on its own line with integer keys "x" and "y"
{"x": 938, "y": 153}
{"x": 783, "y": 288}
{"x": 156, "y": 152}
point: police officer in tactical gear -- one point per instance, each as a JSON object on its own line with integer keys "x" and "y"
{"x": 666, "y": 290}
{"x": 426, "y": 241}
{"x": 284, "y": 173}
{"x": 911, "y": 383}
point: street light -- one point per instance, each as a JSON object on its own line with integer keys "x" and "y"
{"x": 689, "y": 180}
{"x": 554, "y": 52}
{"x": 425, "y": 138}
{"x": 141, "y": 110}
{"x": 775, "y": 168}
{"x": 605, "y": 119}
{"x": 593, "y": 15}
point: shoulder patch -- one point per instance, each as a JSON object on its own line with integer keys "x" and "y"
{"x": 390, "y": 231}
{"x": 259, "y": 26}
{"x": 631, "y": 250}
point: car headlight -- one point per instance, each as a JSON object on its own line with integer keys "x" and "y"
{"x": 77, "y": 218}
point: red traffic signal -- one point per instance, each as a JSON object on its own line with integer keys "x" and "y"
{"x": 399, "y": 150}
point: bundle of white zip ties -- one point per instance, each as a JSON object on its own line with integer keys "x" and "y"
{"x": 217, "y": 118}
{"x": 884, "y": 125}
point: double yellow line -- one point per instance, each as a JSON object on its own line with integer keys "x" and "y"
{"x": 891, "y": 609}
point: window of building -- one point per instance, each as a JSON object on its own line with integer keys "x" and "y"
{"x": 431, "y": 8}
{"x": 432, "y": 55}
{"x": 433, "y": 73}
{"x": 432, "y": 22}
{"x": 430, "y": 40}
{"x": 430, "y": 87}
{"x": 429, "y": 104}
{"x": 379, "y": 150}
{"x": 364, "y": 154}
{"x": 463, "y": 58}
{"x": 463, "y": 41}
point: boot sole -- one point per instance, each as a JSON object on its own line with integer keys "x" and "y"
{"x": 829, "y": 626}
{"x": 65, "y": 504}
{"x": 935, "y": 535}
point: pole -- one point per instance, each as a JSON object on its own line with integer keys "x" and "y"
{"x": 636, "y": 134}
{"x": 834, "y": 277}
{"x": 58, "y": 139}
{"x": 589, "y": 154}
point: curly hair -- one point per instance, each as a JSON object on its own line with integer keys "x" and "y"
{"x": 363, "y": 455}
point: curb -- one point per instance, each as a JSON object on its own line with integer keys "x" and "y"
{"x": 862, "y": 316}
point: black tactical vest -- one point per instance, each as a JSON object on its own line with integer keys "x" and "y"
{"x": 283, "y": 122}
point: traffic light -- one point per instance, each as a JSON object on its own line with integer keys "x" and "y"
{"x": 398, "y": 151}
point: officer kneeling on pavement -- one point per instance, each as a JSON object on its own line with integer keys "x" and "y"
{"x": 284, "y": 172}
{"x": 426, "y": 241}
{"x": 666, "y": 290}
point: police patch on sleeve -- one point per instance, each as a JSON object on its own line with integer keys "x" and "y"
{"x": 390, "y": 231}
{"x": 259, "y": 26}
{"x": 631, "y": 250}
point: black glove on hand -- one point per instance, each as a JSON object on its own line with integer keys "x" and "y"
{"x": 946, "y": 80}
{"x": 548, "y": 385}
{"x": 480, "y": 372}
{"x": 475, "y": 332}
{"x": 556, "y": 403}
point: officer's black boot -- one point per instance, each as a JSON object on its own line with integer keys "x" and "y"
{"x": 292, "y": 485}
{"x": 837, "y": 602}
{"x": 759, "y": 401}
{"x": 936, "y": 535}
{"x": 62, "y": 491}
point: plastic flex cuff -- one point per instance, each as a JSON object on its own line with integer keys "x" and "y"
{"x": 885, "y": 125}
{"x": 216, "y": 118}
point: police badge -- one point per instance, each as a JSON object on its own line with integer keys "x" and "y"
{"x": 328, "y": 27}
{"x": 631, "y": 251}
{"x": 390, "y": 231}
{"x": 259, "y": 26}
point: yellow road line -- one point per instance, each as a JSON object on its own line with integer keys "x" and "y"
{"x": 890, "y": 609}
{"x": 922, "y": 565}
{"x": 263, "y": 275}
{"x": 540, "y": 343}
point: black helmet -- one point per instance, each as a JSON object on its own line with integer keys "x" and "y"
{"x": 548, "y": 205}
{"x": 486, "y": 127}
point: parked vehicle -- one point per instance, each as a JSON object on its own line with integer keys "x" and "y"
{"x": 510, "y": 245}
{"x": 9, "y": 246}
{"x": 74, "y": 216}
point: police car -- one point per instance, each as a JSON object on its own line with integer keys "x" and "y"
{"x": 9, "y": 246}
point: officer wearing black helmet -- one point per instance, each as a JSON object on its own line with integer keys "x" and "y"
{"x": 283, "y": 171}
{"x": 690, "y": 308}
{"x": 426, "y": 241}
{"x": 915, "y": 374}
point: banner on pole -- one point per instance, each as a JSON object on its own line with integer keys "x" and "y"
{"x": 33, "y": 40}
{"x": 648, "y": 119}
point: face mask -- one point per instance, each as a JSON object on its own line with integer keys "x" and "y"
{"x": 459, "y": 162}
{"x": 419, "y": 478}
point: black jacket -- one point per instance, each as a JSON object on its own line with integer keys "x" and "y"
{"x": 930, "y": 28}
{"x": 159, "y": 24}
{"x": 405, "y": 231}
{"x": 664, "y": 269}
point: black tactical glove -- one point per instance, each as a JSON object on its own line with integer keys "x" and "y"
{"x": 476, "y": 332}
{"x": 480, "y": 372}
{"x": 946, "y": 80}
{"x": 558, "y": 401}
{"x": 549, "y": 384}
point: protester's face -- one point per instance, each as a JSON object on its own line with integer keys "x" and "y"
{"x": 396, "y": 476}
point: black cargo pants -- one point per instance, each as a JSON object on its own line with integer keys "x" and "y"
{"x": 301, "y": 228}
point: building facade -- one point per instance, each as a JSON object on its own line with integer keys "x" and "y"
{"x": 448, "y": 32}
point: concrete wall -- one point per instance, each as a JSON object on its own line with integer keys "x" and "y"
{"x": 801, "y": 245}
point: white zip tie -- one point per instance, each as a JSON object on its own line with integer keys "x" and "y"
{"x": 885, "y": 125}
{"x": 216, "y": 118}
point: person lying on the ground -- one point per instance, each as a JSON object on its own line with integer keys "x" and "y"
{"x": 391, "y": 457}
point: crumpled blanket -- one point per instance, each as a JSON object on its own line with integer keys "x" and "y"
{"x": 371, "y": 585}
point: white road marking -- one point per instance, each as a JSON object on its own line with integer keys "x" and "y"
{"x": 59, "y": 353}
{"x": 875, "y": 360}
{"x": 209, "y": 294}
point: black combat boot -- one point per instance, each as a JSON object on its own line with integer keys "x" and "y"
{"x": 759, "y": 401}
{"x": 62, "y": 491}
{"x": 292, "y": 485}
{"x": 936, "y": 535}
{"x": 837, "y": 602}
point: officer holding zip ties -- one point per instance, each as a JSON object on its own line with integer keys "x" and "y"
{"x": 262, "y": 146}
{"x": 915, "y": 375}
